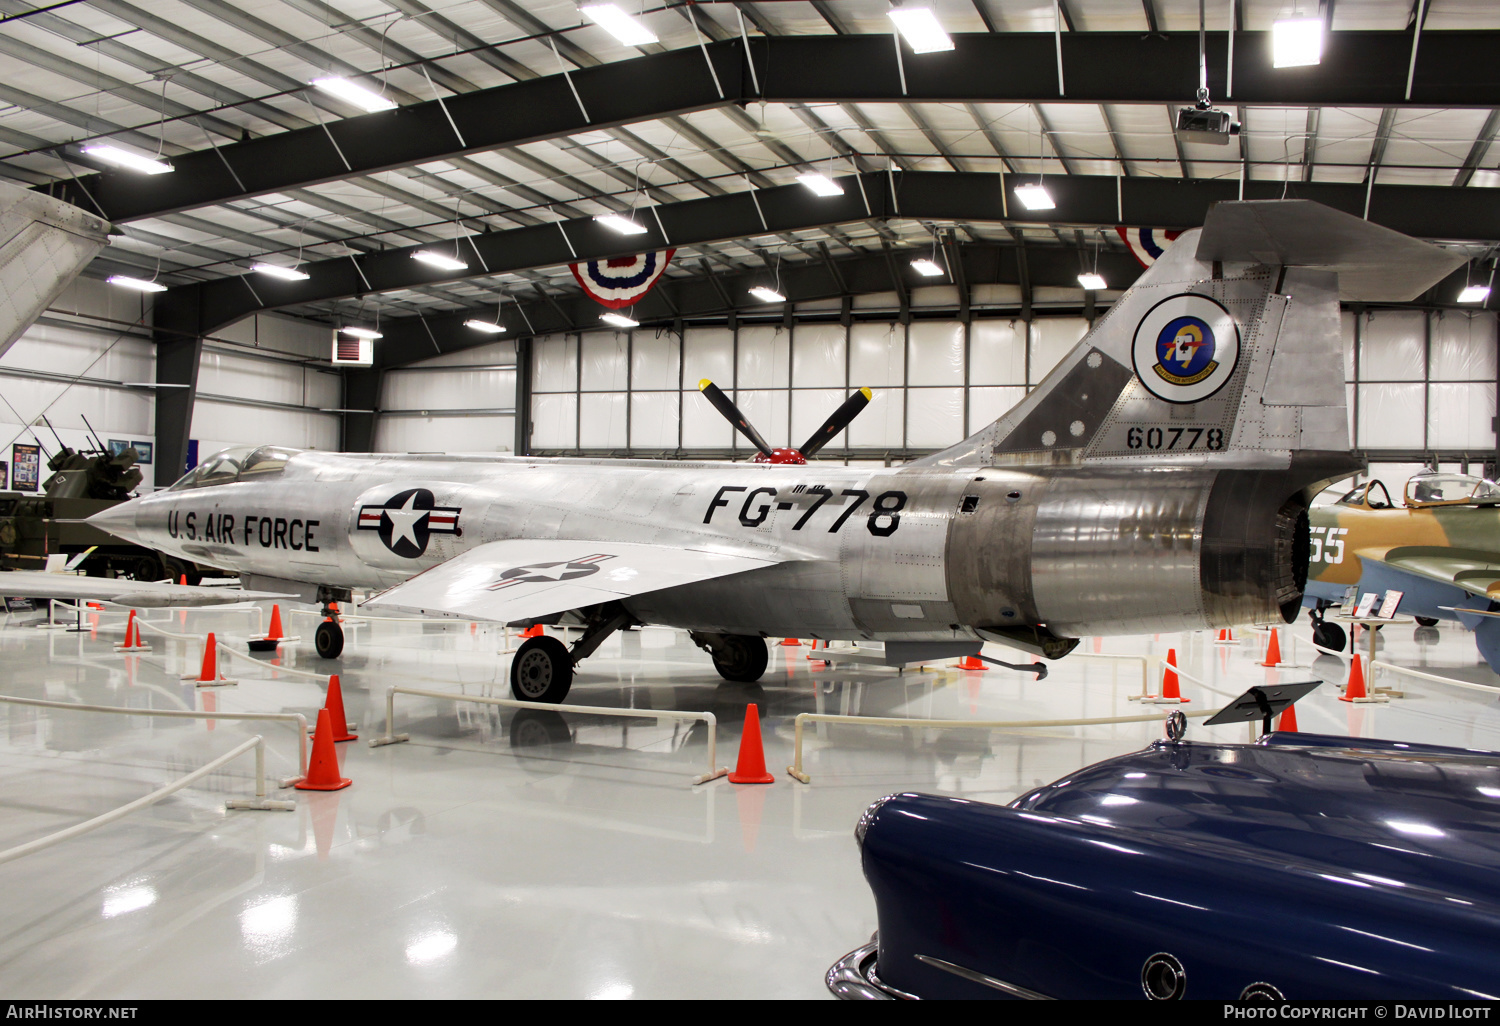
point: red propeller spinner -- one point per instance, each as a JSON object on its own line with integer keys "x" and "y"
{"x": 832, "y": 426}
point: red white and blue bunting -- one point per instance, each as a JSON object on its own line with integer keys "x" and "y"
{"x": 1146, "y": 244}
{"x": 621, "y": 281}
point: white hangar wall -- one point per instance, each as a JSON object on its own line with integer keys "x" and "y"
{"x": 461, "y": 402}
{"x": 935, "y": 381}
{"x": 90, "y": 355}
{"x": 260, "y": 382}
{"x": 73, "y": 363}
{"x": 1417, "y": 381}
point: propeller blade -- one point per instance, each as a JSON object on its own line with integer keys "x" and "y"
{"x": 837, "y": 422}
{"x": 720, "y": 401}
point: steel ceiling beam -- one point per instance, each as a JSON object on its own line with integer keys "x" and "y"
{"x": 1358, "y": 69}
{"x": 1089, "y": 200}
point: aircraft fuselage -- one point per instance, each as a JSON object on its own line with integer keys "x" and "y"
{"x": 862, "y": 553}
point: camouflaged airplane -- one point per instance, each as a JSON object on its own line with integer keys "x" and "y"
{"x": 1157, "y": 480}
{"x": 1441, "y": 550}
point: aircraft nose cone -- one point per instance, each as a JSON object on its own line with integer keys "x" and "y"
{"x": 118, "y": 521}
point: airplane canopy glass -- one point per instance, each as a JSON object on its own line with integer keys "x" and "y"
{"x": 1438, "y": 489}
{"x": 236, "y": 464}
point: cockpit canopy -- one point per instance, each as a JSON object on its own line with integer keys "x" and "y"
{"x": 1438, "y": 489}
{"x": 240, "y": 463}
{"x": 1430, "y": 488}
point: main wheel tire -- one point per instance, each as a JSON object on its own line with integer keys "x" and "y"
{"x": 741, "y": 658}
{"x": 1330, "y": 636}
{"x": 1427, "y": 621}
{"x": 328, "y": 639}
{"x": 542, "y": 671}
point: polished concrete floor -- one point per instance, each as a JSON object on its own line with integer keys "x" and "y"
{"x": 509, "y": 854}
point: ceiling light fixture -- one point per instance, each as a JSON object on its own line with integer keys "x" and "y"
{"x": 355, "y": 94}
{"x": 619, "y": 320}
{"x": 1092, "y": 282}
{"x": 1474, "y": 294}
{"x": 362, "y": 332}
{"x": 488, "y": 327}
{"x": 926, "y": 268}
{"x": 1035, "y": 197}
{"x": 1296, "y": 42}
{"x": 617, "y": 23}
{"x": 124, "y": 158}
{"x": 821, "y": 184}
{"x": 439, "y": 260}
{"x": 277, "y": 271}
{"x": 623, "y": 225}
{"x": 124, "y": 281}
{"x": 767, "y": 295}
{"x": 921, "y": 30}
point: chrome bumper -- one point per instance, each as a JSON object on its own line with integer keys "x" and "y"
{"x": 852, "y": 978}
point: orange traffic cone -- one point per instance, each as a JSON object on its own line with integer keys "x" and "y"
{"x": 183, "y": 580}
{"x": 970, "y": 663}
{"x": 1170, "y": 694}
{"x": 323, "y": 766}
{"x": 1355, "y": 691}
{"x": 274, "y": 636}
{"x": 791, "y": 642}
{"x": 209, "y": 676}
{"x": 132, "y": 642}
{"x": 534, "y": 631}
{"x": 1226, "y": 637}
{"x": 751, "y": 767}
{"x": 1273, "y": 650}
{"x": 334, "y": 703}
{"x": 1354, "y": 688}
{"x": 1288, "y": 721}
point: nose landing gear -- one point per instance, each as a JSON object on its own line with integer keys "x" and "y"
{"x": 328, "y": 639}
{"x": 1326, "y": 635}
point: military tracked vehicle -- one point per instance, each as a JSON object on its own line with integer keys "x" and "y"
{"x": 83, "y": 483}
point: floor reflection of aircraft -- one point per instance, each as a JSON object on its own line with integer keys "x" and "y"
{"x": 1441, "y": 550}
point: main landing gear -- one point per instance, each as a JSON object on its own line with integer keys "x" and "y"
{"x": 1326, "y": 635}
{"x": 328, "y": 639}
{"x": 738, "y": 657}
{"x": 542, "y": 670}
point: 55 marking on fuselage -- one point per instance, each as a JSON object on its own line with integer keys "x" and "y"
{"x": 882, "y": 520}
{"x": 269, "y": 532}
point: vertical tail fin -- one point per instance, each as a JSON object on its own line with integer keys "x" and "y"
{"x": 1227, "y": 351}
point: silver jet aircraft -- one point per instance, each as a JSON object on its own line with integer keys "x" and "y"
{"x": 1157, "y": 480}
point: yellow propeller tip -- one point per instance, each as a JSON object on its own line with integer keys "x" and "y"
{"x": 868, "y": 394}
{"x": 703, "y": 383}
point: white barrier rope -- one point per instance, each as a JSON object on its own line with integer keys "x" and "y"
{"x": 256, "y": 743}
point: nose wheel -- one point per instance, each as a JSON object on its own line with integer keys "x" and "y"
{"x": 328, "y": 639}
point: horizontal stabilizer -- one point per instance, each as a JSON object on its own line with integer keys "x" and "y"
{"x": 1373, "y": 262}
{"x": 519, "y": 579}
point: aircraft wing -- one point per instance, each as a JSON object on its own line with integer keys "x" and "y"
{"x": 1472, "y": 570}
{"x": 119, "y": 591}
{"x": 520, "y": 579}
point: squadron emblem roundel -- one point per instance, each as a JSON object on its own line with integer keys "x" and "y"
{"x": 1186, "y": 348}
